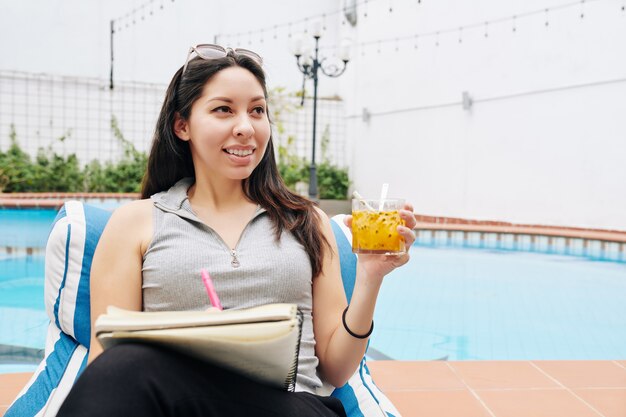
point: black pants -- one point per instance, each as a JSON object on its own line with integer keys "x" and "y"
{"x": 140, "y": 380}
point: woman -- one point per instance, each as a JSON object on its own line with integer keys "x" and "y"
{"x": 213, "y": 199}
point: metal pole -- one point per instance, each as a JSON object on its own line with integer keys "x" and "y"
{"x": 313, "y": 167}
{"x": 111, "y": 76}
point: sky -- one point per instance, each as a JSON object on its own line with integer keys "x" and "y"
{"x": 72, "y": 37}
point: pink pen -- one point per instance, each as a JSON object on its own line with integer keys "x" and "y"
{"x": 210, "y": 289}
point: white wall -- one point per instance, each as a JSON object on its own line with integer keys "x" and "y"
{"x": 533, "y": 148}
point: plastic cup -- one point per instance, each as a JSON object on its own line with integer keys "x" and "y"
{"x": 374, "y": 226}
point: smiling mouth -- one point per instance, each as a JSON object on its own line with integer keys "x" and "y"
{"x": 239, "y": 152}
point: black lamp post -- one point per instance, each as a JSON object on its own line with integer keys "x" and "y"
{"x": 309, "y": 66}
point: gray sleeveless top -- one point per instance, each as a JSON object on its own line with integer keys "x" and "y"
{"x": 259, "y": 270}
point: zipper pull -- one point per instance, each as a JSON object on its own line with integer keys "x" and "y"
{"x": 235, "y": 262}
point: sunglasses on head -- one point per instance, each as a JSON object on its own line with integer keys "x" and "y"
{"x": 210, "y": 51}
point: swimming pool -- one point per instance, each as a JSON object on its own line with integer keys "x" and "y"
{"x": 24, "y": 228}
{"x": 477, "y": 304}
{"x": 449, "y": 303}
{"x": 23, "y": 321}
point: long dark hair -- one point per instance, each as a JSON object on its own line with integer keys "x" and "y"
{"x": 170, "y": 158}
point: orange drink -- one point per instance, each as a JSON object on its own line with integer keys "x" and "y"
{"x": 374, "y": 226}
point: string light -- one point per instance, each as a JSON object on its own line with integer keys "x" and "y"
{"x": 365, "y": 4}
{"x": 342, "y": 11}
{"x": 378, "y": 44}
{"x": 485, "y": 25}
{"x": 144, "y": 11}
{"x": 306, "y": 20}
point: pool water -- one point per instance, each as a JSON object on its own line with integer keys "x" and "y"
{"x": 471, "y": 304}
{"x": 23, "y": 321}
{"x": 21, "y": 282}
{"x": 447, "y": 303}
{"x": 25, "y": 228}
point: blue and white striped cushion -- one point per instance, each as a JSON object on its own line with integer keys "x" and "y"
{"x": 72, "y": 241}
{"x": 360, "y": 396}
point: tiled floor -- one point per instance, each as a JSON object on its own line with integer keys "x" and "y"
{"x": 481, "y": 388}
{"x": 10, "y": 386}
{"x": 504, "y": 388}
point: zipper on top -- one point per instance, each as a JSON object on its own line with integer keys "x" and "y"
{"x": 234, "y": 262}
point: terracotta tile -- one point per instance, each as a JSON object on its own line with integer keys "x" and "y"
{"x": 459, "y": 403}
{"x": 585, "y": 374}
{"x": 10, "y": 386}
{"x": 610, "y": 402}
{"x": 535, "y": 403}
{"x": 502, "y": 374}
{"x": 410, "y": 375}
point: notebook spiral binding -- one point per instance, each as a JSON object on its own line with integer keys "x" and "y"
{"x": 290, "y": 382}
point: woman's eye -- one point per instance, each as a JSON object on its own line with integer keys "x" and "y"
{"x": 222, "y": 109}
{"x": 259, "y": 110}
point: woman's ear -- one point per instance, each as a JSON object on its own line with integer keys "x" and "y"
{"x": 181, "y": 127}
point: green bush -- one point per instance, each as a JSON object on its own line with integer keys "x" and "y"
{"x": 50, "y": 172}
{"x": 18, "y": 173}
{"x": 332, "y": 181}
{"x": 15, "y": 167}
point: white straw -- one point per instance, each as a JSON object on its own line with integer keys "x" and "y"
{"x": 359, "y": 197}
{"x": 383, "y": 195}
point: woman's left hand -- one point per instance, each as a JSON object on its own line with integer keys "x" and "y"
{"x": 377, "y": 266}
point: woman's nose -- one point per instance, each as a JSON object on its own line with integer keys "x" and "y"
{"x": 243, "y": 127}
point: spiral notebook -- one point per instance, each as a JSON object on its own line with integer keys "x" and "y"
{"x": 259, "y": 342}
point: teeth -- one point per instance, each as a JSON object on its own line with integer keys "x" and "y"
{"x": 239, "y": 152}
